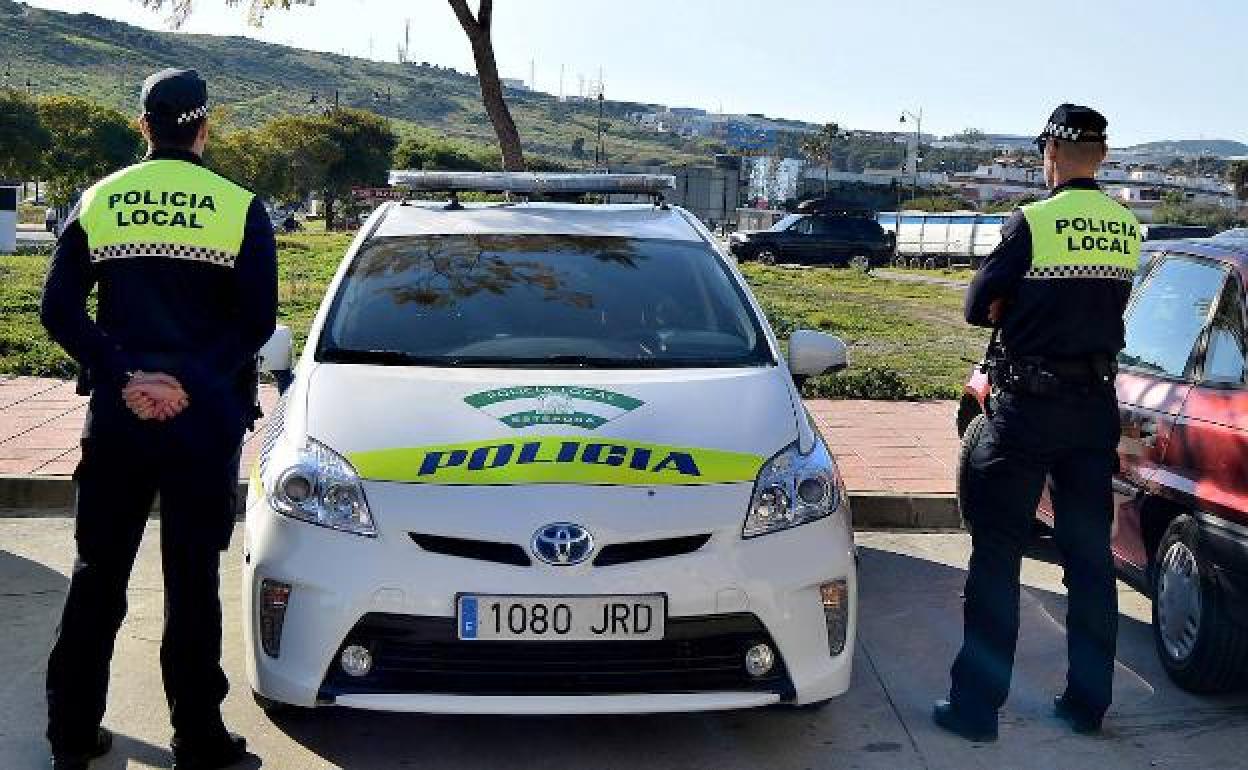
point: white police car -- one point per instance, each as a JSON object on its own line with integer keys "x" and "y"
{"x": 546, "y": 458}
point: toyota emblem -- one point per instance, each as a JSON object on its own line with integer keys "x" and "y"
{"x": 562, "y": 544}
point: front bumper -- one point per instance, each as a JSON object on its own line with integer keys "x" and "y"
{"x": 721, "y": 598}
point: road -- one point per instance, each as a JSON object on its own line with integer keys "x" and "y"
{"x": 910, "y": 628}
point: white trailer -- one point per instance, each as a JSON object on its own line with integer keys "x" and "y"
{"x": 931, "y": 240}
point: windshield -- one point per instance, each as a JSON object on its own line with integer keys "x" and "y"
{"x": 787, "y": 222}
{"x": 543, "y": 301}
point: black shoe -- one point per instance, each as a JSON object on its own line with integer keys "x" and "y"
{"x": 80, "y": 760}
{"x": 1076, "y": 716}
{"x": 982, "y": 730}
{"x": 208, "y": 754}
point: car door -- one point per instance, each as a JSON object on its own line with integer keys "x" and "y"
{"x": 1208, "y": 456}
{"x": 831, "y": 240}
{"x": 1165, "y": 322}
{"x": 795, "y": 243}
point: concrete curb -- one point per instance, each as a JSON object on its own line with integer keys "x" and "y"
{"x": 53, "y": 496}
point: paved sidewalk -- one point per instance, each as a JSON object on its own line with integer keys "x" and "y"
{"x": 881, "y": 446}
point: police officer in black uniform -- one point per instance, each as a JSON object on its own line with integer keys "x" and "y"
{"x": 185, "y": 265}
{"x": 1055, "y": 289}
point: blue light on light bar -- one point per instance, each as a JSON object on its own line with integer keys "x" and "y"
{"x": 526, "y": 182}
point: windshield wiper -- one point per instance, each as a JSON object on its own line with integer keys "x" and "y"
{"x": 336, "y": 355}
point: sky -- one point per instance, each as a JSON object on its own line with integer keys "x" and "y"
{"x": 1157, "y": 69}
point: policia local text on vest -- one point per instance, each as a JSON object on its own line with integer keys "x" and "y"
{"x": 186, "y": 269}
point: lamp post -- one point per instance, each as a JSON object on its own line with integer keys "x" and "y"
{"x": 600, "y": 151}
{"x": 918, "y": 141}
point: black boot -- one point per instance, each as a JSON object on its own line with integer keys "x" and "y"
{"x": 212, "y": 753}
{"x": 1079, "y": 718}
{"x": 80, "y": 760}
{"x": 973, "y": 728}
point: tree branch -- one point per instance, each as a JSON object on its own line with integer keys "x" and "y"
{"x": 466, "y": 20}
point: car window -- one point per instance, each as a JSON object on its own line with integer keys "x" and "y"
{"x": 532, "y": 300}
{"x": 786, "y": 223}
{"x": 824, "y": 226}
{"x": 1227, "y": 348}
{"x": 805, "y": 226}
{"x": 1168, "y": 315}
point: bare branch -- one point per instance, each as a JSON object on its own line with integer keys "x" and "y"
{"x": 180, "y": 10}
{"x": 466, "y": 19}
{"x": 485, "y": 16}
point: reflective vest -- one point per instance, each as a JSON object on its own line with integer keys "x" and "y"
{"x": 165, "y": 208}
{"x": 1082, "y": 234}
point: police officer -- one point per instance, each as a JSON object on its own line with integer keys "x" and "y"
{"x": 185, "y": 265}
{"x": 1055, "y": 288}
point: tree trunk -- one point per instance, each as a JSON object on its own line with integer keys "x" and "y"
{"x": 478, "y": 31}
{"x": 329, "y": 211}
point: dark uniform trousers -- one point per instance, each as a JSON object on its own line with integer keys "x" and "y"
{"x": 192, "y": 462}
{"x": 1071, "y": 439}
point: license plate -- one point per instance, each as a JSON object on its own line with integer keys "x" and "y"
{"x": 561, "y": 618}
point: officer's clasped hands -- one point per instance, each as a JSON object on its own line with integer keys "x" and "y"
{"x": 155, "y": 396}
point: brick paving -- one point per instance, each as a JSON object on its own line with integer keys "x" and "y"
{"x": 880, "y": 446}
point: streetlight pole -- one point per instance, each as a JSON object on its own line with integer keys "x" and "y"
{"x": 600, "y": 152}
{"x": 918, "y": 142}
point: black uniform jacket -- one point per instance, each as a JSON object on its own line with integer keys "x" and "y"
{"x": 199, "y": 322}
{"x": 1064, "y": 318}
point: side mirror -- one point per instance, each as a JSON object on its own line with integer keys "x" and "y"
{"x": 277, "y": 356}
{"x": 814, "y": 353}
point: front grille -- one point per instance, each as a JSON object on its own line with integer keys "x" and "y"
{"x": 422, "y": 655}
{"x": 482, "y": 550}
{"x": 623, "y": 553}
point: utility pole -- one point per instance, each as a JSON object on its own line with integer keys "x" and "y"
{"x": 918, "y": 143}
{"x": 600, "y": 151}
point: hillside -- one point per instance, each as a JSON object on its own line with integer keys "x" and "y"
{"x": 105, "y": 60}
{"x": 1218, "y": 148}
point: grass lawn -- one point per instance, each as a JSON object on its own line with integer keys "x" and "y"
{"x": 906, "y": 340}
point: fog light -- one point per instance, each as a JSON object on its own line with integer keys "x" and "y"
{"x": 836, "y": 613}
{"x": 759, "y": 660}
{"x": 274, "y": 598}
{"x": 356, "y": 660}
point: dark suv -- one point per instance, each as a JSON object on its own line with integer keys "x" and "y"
{"x": 1181, "y": 494}
{"x": 837, "y": 238}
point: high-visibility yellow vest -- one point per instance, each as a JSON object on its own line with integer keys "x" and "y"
{"x": 1082, "y": 234}
{"x": 165, "y": 208}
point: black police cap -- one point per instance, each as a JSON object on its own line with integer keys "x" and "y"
{"x": 175, "y": 96}
{"x": 1074, "y": 123}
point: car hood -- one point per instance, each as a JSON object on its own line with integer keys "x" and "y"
{"x": 513, "y": 426}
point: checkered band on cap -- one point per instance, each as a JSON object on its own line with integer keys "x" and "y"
{"x": 193, "y": 115}
{"x": 166, "y": 250}
{"x": 1063, "y": 132}
{"x": 1082, "y": 271}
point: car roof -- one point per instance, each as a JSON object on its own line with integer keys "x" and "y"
{"x": 1225, "y": 250}
{"x": 612, "y": 220}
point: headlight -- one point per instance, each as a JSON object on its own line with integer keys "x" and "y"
{"x": 321, "y": 487}
{"x": 793, "y": 489}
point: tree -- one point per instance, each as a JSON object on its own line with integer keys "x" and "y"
{"x": 23, "y": 137}
{"x": 330, "y": 154}
{"x": 1175, "y": 210}
{"x": 478, "y": 29}
{"x": 1237, "y": 175}
{"x": 88, "y": 142}
{"x": 820, "y": 146}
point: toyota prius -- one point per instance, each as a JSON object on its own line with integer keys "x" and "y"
{"x": 543, "y": 458}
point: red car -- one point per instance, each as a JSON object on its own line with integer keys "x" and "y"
{"x": 1181, "y": 495}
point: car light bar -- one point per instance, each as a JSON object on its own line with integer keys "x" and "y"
{"x": 530, "y": 182}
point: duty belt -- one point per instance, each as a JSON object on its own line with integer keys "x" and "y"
{"x": 1038, "y": 376}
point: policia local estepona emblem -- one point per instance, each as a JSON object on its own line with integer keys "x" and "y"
{"x": 525, "y": 405}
